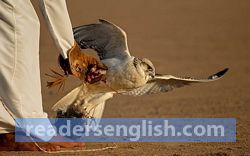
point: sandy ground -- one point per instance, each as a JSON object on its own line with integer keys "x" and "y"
{"x": 183, "y": 38}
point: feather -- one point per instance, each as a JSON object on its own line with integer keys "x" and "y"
{"x": 59, "y": 79}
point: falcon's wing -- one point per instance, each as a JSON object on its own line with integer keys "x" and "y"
{"x": 78, "y": 103}
{"x": 106, "y": 38}
{"x": 165, "y": 83}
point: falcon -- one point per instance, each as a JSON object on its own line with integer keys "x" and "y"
{"x": 126, "y": 74}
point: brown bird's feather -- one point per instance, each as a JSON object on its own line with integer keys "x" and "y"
{"x": 59, "y": 79}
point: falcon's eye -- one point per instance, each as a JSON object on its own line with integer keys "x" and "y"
{"x": 150, "y": 68}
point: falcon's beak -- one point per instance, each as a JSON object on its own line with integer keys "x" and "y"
{"x": 152, "y": 75}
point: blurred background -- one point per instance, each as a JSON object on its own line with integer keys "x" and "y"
{"x": 184, "y": 38}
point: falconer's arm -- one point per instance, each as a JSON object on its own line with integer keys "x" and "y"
{"x": 58, "y": 21}
{"x": 71, "y": 59}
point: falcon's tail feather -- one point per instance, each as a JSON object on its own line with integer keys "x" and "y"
{"x": 67, "y": 100}
{"x": 80, "y": 104}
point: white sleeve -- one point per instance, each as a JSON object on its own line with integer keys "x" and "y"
{"x": 58, "y": 21}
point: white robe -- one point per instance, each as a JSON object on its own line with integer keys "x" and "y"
{"x": 20, "y": 86}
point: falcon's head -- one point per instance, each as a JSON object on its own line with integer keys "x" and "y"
{"x": 145, "y": 66}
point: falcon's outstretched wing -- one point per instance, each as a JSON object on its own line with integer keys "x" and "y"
{"x": 106, "y": 38}
{"x": 165, "y": 83}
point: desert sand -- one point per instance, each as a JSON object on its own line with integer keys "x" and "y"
{"x": 184, "y": 38}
